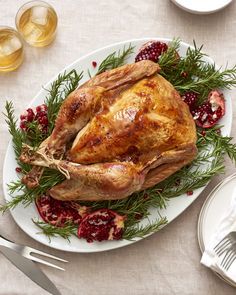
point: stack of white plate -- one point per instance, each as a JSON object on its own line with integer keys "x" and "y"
{"x": 213, "y": 208}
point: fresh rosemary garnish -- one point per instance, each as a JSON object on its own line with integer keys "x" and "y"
{"x": 21, "y": 194}
{"x": 140, "y": 231}
{"x": 51, "y": 231}
{"x": 18, "y": 136}
{"x": 130, "y": 232}
{"x": 212, "y": 146}
{"x": 115, "y": 59}
{"x": 60, "y": 89}
{"x": 193, "y": 73}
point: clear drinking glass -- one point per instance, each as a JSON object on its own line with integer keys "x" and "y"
{"x": 11, "y": 49}
{"x": 36, "y": 21}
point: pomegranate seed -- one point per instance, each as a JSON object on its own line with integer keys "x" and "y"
{"x": 41, "y": 108}
{"x": 189, "y": 193}
{"x": 31, "y": 115}
{"x": 18, "y": 170}
{"x": 23, "y": 117}
{"x": 203, "y": 133}
{"x": 23, "y": 125}
{"x": 146, "y": 196}
{"x": 43, "y": 120}
{"x": 38, "y": 109}
{"x": 184, "y": 74}
{"x": 94, "y": 64}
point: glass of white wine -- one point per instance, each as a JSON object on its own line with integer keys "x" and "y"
{"x": 36, "y": 21}
{"x": 11, "y": 49}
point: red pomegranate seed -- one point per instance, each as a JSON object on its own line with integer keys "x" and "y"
{"x": 23, "y": 125}
{"x": 203, "y": 133}
{"x": 41, "y": 108}
{"x": 43, "y": 120}
{"x": 146, "y": 196}
{"x": 23, "y": 117}
{"x": 31, "y": 115}
{"x": 184, "y": 74}
{"x": 189, "y": 193}
{"x": 18, "y": 170}
{"x": 94, "y": 64}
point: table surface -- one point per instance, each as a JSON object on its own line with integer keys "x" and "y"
{"x": 166, "y": 262}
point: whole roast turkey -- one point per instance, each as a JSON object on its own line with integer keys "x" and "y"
{"x": 123, "y": 131}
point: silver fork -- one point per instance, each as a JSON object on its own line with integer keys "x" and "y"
{"x": 28, "y": 252}
{"x": 229, "y": 257}
{"x": 225, "y": 243}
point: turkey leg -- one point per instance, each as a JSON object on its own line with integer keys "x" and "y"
{"x": 83, "y": 103}
{"x": 103, "y": 181}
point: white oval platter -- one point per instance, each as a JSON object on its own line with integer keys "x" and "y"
{"x": 23, "y": 216}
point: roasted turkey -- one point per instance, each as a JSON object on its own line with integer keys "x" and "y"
{"x": 123, "y": 131}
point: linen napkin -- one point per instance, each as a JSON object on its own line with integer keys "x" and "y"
{"x": 226, "y": 224}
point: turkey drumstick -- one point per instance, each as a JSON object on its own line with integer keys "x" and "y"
{"x": 96, "y": 94}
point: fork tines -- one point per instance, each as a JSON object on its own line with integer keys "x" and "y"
{"x": 229, "y": 258}
{"x": 228, "y": 246}
{"x": 225, "y": 243}
{"x": 30, "y": 252}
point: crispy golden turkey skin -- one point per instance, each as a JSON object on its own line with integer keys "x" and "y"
{"x": 122, "y": 131}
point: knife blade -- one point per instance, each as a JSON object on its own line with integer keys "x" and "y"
{"x": 30, "y": 269}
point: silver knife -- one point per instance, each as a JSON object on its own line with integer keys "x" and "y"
{"x": 30, "y": 269}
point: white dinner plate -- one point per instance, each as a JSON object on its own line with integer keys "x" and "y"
{"x": 214, "y": 207}
{"x": 23, "y": 216}
{"x": 202, "y": 6}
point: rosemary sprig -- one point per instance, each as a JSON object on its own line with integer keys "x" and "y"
{"x": 115, "y": 59}
{"x": 192, "y": 73}
{"x": 21, "y": 194}
{"x": 60, "y": 89}
{"x": 137, "y": 231}
{"x": 169, "y": 58}
{"x": 140, "y": 231}
{"x": 18, "y": 136}
{"x": 51, "y": 231}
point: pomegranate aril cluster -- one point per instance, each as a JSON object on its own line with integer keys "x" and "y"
{"x": 151, "y": 51}
{"x": 58, "y": 213}
{"x": 209, "y": 113}
{"x": 190, "y": 98}
{"x": 38, "y": 114}
{"x": 101, "y": 225}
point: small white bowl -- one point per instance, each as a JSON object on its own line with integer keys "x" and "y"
{"x": 202, "y": 6}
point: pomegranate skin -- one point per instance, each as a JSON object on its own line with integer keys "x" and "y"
{"x": 151, "y": 51}
{"x": 101, "y": 225}
{"x": 209, "y": 113}
{"x": 58, "y": 213}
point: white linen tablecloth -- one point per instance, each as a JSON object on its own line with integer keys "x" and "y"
{"x": 167, "y": 262}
